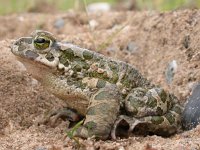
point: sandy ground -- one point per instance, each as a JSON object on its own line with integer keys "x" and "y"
{"x": 153, "y": 40}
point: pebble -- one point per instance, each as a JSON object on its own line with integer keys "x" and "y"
{"x": 112, "y": 49}
{"x": 132, "y": 47}
{"x": 59, "y": 23}
{"x": 191, "y": 113}
{"x": 93, "y": 24}
{"x": 40, "y": 148}
{"x": 170, "y": 71}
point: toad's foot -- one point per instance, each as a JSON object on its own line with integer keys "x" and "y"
{"x": 132, "y": 123}
{"x": 64, "y": 114}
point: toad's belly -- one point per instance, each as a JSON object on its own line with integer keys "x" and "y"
{"x": 74, "y": 97}
{"x": 78, "y": 103}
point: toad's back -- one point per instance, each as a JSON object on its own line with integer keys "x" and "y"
{"x": 91, "y": 64}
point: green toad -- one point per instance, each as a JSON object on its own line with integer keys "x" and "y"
{"x": 107, "y": 92}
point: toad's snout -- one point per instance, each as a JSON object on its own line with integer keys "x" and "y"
{"x": 20, "y": 45}
{"x": 14, "y": 46}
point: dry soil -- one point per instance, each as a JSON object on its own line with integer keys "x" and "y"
{"x": 147, "y": 40}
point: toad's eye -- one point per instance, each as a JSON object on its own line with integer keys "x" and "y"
{"x": 41, "y": 43}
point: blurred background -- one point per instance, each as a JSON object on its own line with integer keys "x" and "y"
{"x": 15, "y": 6}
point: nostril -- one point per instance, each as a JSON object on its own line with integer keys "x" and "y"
{"x": 14, "y": 42}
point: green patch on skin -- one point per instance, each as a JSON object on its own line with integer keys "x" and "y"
{"x": 177, "y": 109}
{"x": 170, "y": 118}
{"x": 100, "y": 109}
{"x": 91, "y": 111}
{"x": 163, "y": 96}
{"x": 159, "y": 111}
{"x": 105, "y": 75}
{"x": 102, "y": 64}
{"x": 152, "y": 102}
{"x": 135, "y": 102}
{"x": 77, "y": 68}
{"x": 157, "y": 120}
{"x": 134, "y": 75}
{"x": 91, "y": 125}
{"x": 113, "y": 65}
{"x": 21, "y": 47}
{"x": 169, "y": 105}
{"x": 97, "y": 58}
{"x": 125, "y": 82}
{"x": 132, "y": 78}
{"x": 101, "y": 83}
{"x": 66, "y": 63}
{"x": 66, "y": 55}
{"x": 104, "y": 95}
{"x": 87, "y": 55}
{"x": 133, "y": 111}
{"x": 103, "y": 108}
{"x": 129, "y": 80}
{"x": 79, "y": 84}
{"x": 78, "y": 64}
{"x": 49, "y": 57}
{"x": 76, "y": 59}
{"x": 69, "y": 53}
{"x": 115, "y": 77}
{"x": 84, "y": 65}
{"x": 115, "y": 69}
{"x": 95, "y": 74}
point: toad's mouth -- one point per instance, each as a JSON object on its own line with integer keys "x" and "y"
{"x": 36, "y": 69}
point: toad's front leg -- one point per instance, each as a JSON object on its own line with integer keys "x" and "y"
{"x": 64, "y": 113}
{"x": 101, "y": 114}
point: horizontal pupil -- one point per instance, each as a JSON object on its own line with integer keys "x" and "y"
{"x": 41, "y": 40}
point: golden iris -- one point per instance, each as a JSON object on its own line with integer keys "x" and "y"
{"x": 41, "y": 43}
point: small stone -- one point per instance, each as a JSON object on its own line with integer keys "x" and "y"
{"x": 132, "y": 47}
{"x": 112, "y": 49}
{"x": 34, "y": 82}
{"x": 191, "y": 113}
{"x": 21, "y": 66}
{"x": 170, "y": 71}
{"x": 40, "y": 148}
{"x": 93, "y": 24}
{"x": 59, "y": 23}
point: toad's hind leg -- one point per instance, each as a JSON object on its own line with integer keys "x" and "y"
{"x": 153, "y": 110}
{"x": 164, "y": 125}
{"x": 101, "y": 115}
